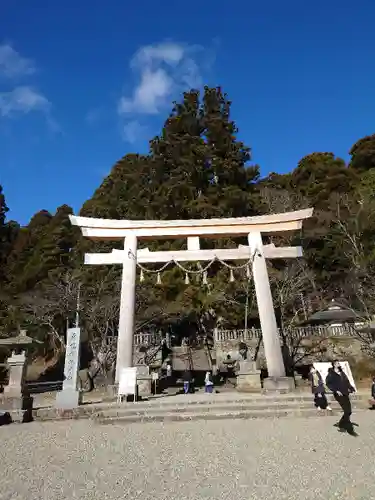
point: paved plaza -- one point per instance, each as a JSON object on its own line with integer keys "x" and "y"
{"x": 241, "y": 459}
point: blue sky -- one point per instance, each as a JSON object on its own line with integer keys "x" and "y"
{"x": 83, "y": 83}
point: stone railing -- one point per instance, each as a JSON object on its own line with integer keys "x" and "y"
{"x": 146, "y": 339}
{"x": 139, "y": 339}
{"x": 149, "y": 339}
{"x": 305, "y": 331}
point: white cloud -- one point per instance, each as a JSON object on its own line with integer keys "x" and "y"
{"x": 94, "y": 115}
{"x": 12, "y": 64}
{"x": 163, "y": 71}
{"x": 23, "y": 100}
{"x": 133, "y": 131}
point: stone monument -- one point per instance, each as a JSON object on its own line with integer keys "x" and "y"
{"x": 144, "y": 381}
{"x": 70, "y": 397}
{"x": 248, "y": 377}
{"x": 16, "y": 399}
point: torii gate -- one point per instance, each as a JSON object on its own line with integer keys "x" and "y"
{"x": 252, "y": 227}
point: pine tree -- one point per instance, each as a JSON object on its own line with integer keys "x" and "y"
{"x": 123, "y": 192}
{"x": 325, "y": 182}
{"x": 8, "y": 233}
{"x": 231, "y": 187}
{"x": 27, "y": 240}
{"x": 201, "y": 171}
{"x": 3, "y": 235}
{"x": 53, "y": 252}
{"x": 178, "y": 164}
{"x": 319, "y": 175}
{"x": 363, "y": 154}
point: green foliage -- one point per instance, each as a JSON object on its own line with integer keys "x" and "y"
{"x": 363, "y": 154}
{"x": 319, "y": 175}
{"x": 195, "y": 168}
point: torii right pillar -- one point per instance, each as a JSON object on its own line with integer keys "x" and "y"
{"x": 276, "y": 381}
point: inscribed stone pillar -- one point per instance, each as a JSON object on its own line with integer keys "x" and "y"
{"x": 126, "y": 320}
{"x": 271, "y": 340}
{"x": 69, "y": 397}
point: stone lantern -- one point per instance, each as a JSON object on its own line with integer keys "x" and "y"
{"x": 16, "y": 400}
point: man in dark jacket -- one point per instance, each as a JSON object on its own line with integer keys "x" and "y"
{"x": 339, "y": 384}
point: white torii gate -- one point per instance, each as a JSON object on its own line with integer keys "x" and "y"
{"x": 252, "y": 227}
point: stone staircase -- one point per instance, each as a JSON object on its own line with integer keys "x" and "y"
{"x": 196, "y": 359}
{"x": 218, "y": 406}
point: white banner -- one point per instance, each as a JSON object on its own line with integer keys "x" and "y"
{"x": 128, "y": 381}
{"x": 323, "y": 368}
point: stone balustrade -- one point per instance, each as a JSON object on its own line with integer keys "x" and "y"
{"x": 250, "y": 334}
{"x": 299, "y": 332}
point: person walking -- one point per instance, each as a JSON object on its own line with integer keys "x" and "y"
{"x": 318, "y": 389}
{"x": 208, "y": 383}
{"x": 186, "y": 377}
{"x": 372, "y": 400}
{"x": 339, "y": 384}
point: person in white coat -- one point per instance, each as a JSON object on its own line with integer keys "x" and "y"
{"x": 208, "y": 383}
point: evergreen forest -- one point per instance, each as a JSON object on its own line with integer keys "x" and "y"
{"x": 196, "y": 168}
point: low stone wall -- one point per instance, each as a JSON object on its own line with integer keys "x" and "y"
{"x": 310, "y": 349}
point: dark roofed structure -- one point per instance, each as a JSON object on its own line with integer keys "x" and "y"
{"x": 335, "y": 312}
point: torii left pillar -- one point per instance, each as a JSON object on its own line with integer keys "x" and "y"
{"x": 127, "y": 301}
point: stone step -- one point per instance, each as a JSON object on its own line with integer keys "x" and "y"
{"x": 220, "y": 407}
{"x": 189, "y": 416}
{"x": 237, "y": 399}
{"x": 119, "y": 413}
{"x": 194, "y": 403}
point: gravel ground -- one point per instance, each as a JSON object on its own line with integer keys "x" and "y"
{"x": 241, "y": 459}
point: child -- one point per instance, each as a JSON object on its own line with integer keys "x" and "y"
{"x": 208, "y": 383}
{"x": 317, "y": 388}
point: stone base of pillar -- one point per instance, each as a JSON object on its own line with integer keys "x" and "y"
{"x": 144, "y": 381}
{"x": 279, "y": 384}
{"x": 68, "y": 399}
{"x": 111, "y": 391}
{"x": 248, "y": 377}
{"x": 20, "y": 408}
{"x": 144, "y": 385}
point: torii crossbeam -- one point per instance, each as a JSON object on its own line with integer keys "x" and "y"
{"x": 253, "y": 227}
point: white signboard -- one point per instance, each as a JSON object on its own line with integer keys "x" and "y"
{"x": 323, "y": 368}
{"x": 127, "y": 382}
{"x": 71, "y": 366}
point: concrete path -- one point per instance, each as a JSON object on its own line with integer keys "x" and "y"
{"x": 264, "y": 459}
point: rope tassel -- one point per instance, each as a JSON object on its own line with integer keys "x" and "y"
{"x": 187, "y": 281}
{"x": 204, "y": 278}
{"x": 141, "y": 276}
{"x": 231, "y": 276}
{"x": 158, "y": 279}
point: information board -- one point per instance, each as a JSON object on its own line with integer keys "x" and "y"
{"x": 323, "y": 368}
{"x": 128, "y": 382}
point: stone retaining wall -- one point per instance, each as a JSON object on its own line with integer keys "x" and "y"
{"x": 321, "y": 349}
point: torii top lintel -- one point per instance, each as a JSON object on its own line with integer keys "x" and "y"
{"x": 111, "y": 229}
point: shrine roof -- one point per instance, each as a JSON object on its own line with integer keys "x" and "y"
{"x": 334, "y": 312}
{"x": 18, "y": 340}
